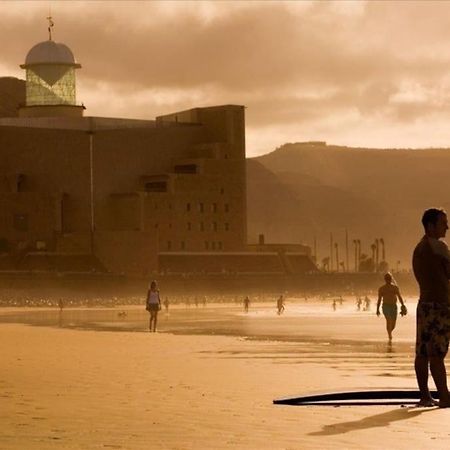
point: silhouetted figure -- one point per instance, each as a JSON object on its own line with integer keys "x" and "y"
{"x": 246, "y": 304}
{"x": 334, "y": 304}
{"x": 153, "y": 305}
{"x": 61, "y": 304}
{"x": 204, "y": 301}
{"x": 388, "y": 294}
{"x": 431, "y": 265}
{"x": 166, "y": 304}
{"x": 280, "y": 305}
{"x": 366, "y": 303}
{"x": 358, "y": 303}
{"x": 341, "y": 300}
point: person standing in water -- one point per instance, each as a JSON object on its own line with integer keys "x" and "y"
{"x": 388, "y": 294}
{"x": 153, "y": 305}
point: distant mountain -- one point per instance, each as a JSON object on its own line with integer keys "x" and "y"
{"x": 322, "y": 189}
{"x": 12, "y": 94}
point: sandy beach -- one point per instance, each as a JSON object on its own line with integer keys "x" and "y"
{"x": 88, "y": 387}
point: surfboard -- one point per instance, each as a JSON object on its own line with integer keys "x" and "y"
{"x": 358, "y": 397}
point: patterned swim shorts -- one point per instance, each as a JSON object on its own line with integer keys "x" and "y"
{"x": 433, "y": 329}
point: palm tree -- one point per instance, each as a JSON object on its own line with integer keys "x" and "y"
{"x": 383, "y": 254}
{"x": 337, "y": 256}
{"x": 373, "y": 248}
{"x": 377, "y": 253}
{"x": 355, "y": 243}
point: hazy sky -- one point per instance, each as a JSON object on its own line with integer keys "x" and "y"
{"x": 352, "y": 73}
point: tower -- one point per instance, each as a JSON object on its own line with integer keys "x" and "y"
{"x": 50, "y": 81}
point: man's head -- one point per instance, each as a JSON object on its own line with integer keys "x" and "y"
{"x": 434, "y": 221}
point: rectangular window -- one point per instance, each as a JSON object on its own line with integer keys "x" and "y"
{"x": 214, "y": 207}
{"x": 206, "y": 245}
{"x": 220, "y": 245}
{"x": 213, "y": 245}
{"x": 189, "y": 226}
{"x": 227, "y": 207}
{"x": 201, "y": 207}
{"x": 188, "y": 206}
{"x": 202, "y": 226}
{"x": 183, "y": 245}
{"x": 227, "y": 227}
{"x": 214, "y": 226}
{"x": 169, "y": 245}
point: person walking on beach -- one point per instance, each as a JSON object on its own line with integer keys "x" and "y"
{"x": 431, "y": 266}
{"x": 166, "y": 304}
{"x": 388, "y": 294}
{"x": 280, "y": 305}
{"x": 246, "y": 303}
{"x": 153, "y": 305}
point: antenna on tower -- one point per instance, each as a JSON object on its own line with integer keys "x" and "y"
{"x": 50, "y": 25}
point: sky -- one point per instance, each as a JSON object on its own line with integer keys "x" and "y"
{"x": 371, "y": 74}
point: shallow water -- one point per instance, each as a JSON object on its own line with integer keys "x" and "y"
{"x": 304, "y": 333}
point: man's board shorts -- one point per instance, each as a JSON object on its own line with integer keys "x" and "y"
{"x": 433, "y": 328}
{"x": 389, "y": 310}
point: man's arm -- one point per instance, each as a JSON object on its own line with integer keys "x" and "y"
{"x": 379, "y": 302}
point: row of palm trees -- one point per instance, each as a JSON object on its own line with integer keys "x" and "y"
{"x": 362, "y": 262}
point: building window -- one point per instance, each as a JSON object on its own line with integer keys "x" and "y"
{"x": 214, "y": 207}
{"x": 213, "y": 245}
{"x": 189, "y": 226}
{"x": 21, "y": 222}
{"x": 206, "y": 245}
{"x": 220, "y": 245}
{"x": 222, "y": 191}
{"x": 201, "y": 207}
{"x": 227, "y": 227}
{"x": 170, "y": 225}
{"x": 170, "y": 205}
{"x": 156, "y": 205}
{"x": 188, "y": 206}
{"x": 214, "y": 226}
{"x": 227, "y": 207}
{"x": 202, "y": 226}
{"x": 183, "y": 245}
{"x": 169, "y": 245}
{"x": 156, "y": 225}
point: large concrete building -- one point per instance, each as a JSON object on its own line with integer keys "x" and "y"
{"x": 133, "y": 196}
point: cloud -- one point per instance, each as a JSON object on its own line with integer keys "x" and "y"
{"x": 336, "y": 68}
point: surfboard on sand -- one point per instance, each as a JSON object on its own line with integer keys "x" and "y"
{"x": 389, "y": 396}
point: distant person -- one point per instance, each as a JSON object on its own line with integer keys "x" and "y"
{"x": 431, "y": 266}
{"x": 358, "y": 303}
{"x": 333, "y": 304}
{"x": 204, "y": 301}
{"x": 280, "y": 305}
{"x": 153, "y": 305}
{"x": 166, "y": 304}
{"x": 246, "y": 303}
{"x": 367, "y": 303}
{"x": 61, "y": 304}
{"x": 341, "y": 300}
{"x": 388, "y": 294}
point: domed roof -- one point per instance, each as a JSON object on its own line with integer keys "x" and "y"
{"x": 50, "y": 52}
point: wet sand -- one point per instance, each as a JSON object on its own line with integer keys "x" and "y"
{"x": 205, "y": 381}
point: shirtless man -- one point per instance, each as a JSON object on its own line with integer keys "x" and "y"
{"x": 431, "y": 265}
{"x": 388, "y": 293}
